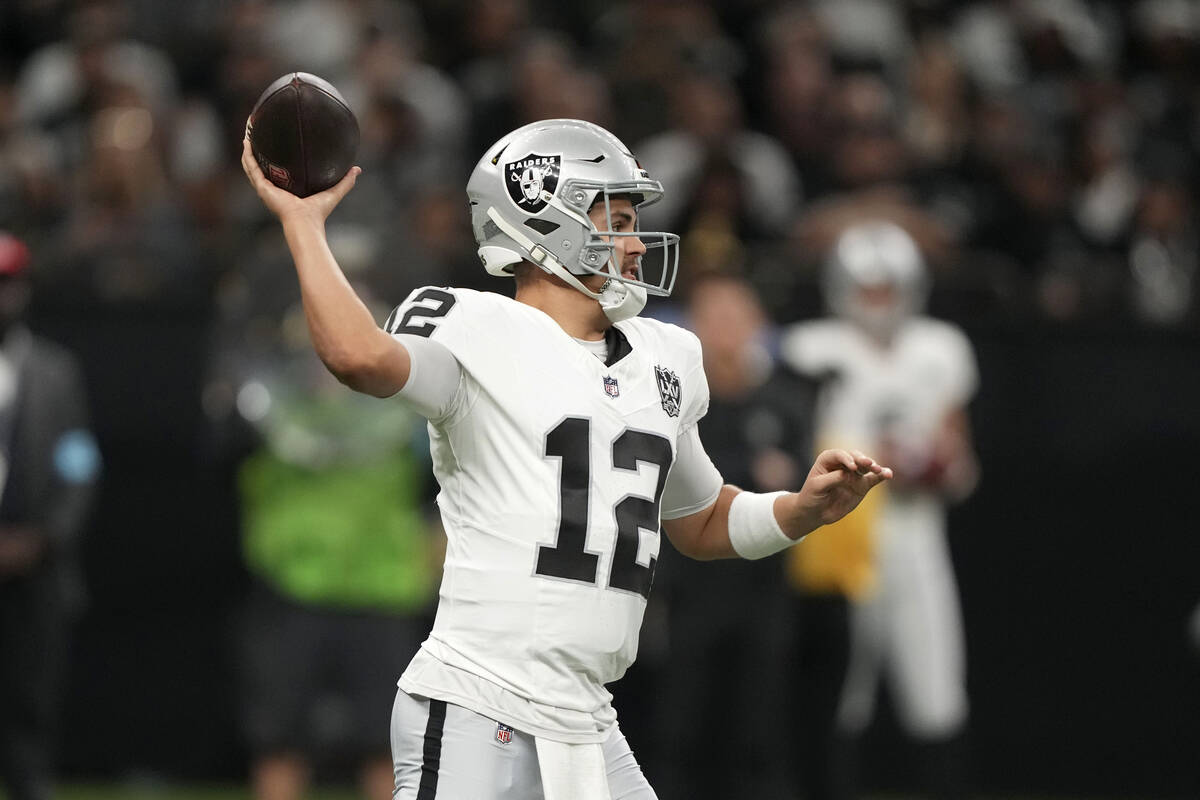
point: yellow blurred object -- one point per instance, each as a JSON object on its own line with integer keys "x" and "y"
{"x": 839, "y": 558}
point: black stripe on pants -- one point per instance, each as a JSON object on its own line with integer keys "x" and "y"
{"x": 433, "y": 750}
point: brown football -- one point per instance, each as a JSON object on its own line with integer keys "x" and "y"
{"x": 303, "y": 134}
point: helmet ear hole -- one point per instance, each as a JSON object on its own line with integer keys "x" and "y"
{"x": 543, "y": 226}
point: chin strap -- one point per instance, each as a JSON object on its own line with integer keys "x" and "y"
{"x": 619, "y": 300}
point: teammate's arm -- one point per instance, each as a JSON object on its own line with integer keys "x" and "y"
{"x": 945, "y": 464}
{"x": 344, "y": 334}
{"x": 757, "y": 524}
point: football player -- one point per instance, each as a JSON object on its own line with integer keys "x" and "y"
{"x": 563, "y": 430}
{"x": 898, "y": 382}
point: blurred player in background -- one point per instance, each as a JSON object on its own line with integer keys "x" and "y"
{"x": 563, "y": 433}
{"x": 49, "y": 463}
{"x": 899, "y": 383}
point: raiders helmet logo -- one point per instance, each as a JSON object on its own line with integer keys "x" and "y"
{"x": 527, "y": 177}
{"x": 669, "y": 390}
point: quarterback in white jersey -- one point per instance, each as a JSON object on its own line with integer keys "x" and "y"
{"x": 563, "y": 434}
{"x": 898, "y": 383}
{"x": 551, "y": 559}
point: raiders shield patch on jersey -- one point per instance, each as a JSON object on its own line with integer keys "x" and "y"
{"x": 668, "y": 390}
{"x": 526, "y": 177}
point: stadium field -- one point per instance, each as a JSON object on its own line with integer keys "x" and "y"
{"x": 137, "y": 791}
{"x": 157, "y": 791}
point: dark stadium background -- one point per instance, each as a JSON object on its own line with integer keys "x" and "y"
{"x": 1078, "y": 559}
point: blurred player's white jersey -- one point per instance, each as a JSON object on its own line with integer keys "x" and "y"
{"x": 552, "y": 466}
{"x": 900, "y": 395}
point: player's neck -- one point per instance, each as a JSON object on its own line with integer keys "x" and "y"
{"x": 576, "y": 313}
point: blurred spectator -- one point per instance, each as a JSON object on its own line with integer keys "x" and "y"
{"x": 549, "y": 83}
{"x": 935, "y": 120}
{"x": 49, "y": 463}
{"x": 725, "y": 674}
{"x": 798, "y": 76}
{"x": 333, "y": 487}
{"x": 868, "y": 149}
{"x": 426, "y": 120}
{"x": 478, "y": 45}
{"x": 126, "y": 238}
{"x": 537, "y": 74}
{"x": 865, "y": 33}
{"x": 709, "y": 130}
{"x": 1164, "y": 248}
{"x": 872, "y": 175}
{"x": 647, "y": 48}
{"x": 899, "y": 383}
{"x": 57, "y": 83}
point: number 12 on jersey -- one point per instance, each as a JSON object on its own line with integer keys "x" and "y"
{"x": 570, "y": 442}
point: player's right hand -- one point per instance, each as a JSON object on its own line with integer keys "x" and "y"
{"x": 287, "y": 206}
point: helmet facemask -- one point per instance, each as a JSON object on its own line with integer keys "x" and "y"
{"x": 656, "y": 268}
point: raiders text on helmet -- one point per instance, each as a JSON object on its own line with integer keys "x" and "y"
{"x": 530, "y": 195}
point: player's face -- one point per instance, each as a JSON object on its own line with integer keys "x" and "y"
{"x": 627, "y": 250}
{"x": 879, "y": 296}
{"x": 725, "y": 315}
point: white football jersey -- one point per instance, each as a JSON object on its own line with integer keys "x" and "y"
{"x": 552, "y": 467}
{"x": 901, "y": 393}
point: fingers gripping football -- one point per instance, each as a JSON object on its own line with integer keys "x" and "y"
{"x": 283, "y": 203}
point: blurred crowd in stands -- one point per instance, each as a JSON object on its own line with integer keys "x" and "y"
{"x": 1044, "y": 154}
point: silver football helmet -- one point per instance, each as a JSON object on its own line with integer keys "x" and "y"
{"x": 875, "y": 277}
{"x": 530, "y": 195}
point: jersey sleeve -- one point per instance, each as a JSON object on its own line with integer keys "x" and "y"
{"x": 806, "y": 347}
{"x": 694, "y": 481}
{"x": 962, "y": 370}
{"x": 696, "y": 405}
{"x": 435, "y": 374}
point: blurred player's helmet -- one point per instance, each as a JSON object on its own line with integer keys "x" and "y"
{"x": 530, "y": 195}
{"x": 875, "y": 277}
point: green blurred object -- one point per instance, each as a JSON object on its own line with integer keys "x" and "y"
{"x": 332, "y": 501}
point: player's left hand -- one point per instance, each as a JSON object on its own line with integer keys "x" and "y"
{"x": 836, "y": 484}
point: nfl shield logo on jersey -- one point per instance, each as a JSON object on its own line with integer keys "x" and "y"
{"x": 610, "y": 387}
{"x": 669, "y": 390}
{"x": 504, "y": 733}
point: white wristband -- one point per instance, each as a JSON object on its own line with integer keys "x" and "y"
{"x": 753, "y": 530}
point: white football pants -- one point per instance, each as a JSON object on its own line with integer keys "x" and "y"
{"x": 444, "y": 751}
{"x": 909, "y": 630}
